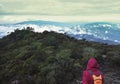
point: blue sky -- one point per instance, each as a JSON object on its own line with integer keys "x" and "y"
{"x": 12, "y": 11}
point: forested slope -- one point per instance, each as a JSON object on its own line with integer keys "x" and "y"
{"x": 50, "y": 57}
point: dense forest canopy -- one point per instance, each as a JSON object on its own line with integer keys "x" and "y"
{"x": 49, "y": 57}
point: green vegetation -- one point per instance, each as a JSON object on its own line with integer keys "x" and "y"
{"x": 49, "y": 57}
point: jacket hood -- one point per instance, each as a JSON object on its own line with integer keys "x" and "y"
{"x": 92, "y": 63}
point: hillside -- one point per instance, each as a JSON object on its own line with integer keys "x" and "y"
{"x": 52, "y": 58}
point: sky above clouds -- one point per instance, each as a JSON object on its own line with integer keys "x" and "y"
{"x": 60, "y": 10}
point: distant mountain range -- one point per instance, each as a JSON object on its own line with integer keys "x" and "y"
{"x": 39, "y": 22}
{"x": 97, "y": 31}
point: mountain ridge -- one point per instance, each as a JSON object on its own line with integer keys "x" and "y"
{"x": 49, "y": 57}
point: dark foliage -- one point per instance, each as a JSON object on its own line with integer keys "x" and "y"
{"x": 49, "y": 57}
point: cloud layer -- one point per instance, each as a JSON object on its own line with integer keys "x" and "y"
{"x": 66, "y": 8}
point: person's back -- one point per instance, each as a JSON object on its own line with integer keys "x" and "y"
{"x": 92, "y": 74}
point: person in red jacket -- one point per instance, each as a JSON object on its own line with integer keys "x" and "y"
{"x": 92, "y": 68}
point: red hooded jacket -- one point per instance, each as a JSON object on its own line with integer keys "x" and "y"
{"x": 94, "y": 67}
